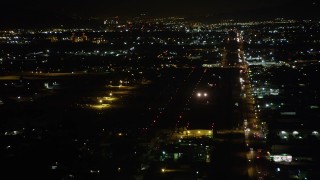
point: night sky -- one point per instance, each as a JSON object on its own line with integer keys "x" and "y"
{"x": 16, "y": 10}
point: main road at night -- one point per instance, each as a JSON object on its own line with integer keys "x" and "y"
{"x": 212, "y": 98}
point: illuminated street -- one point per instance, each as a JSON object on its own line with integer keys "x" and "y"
{"x": 148, "y": 97}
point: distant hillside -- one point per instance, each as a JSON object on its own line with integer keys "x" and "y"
{"x": 42, "y": 19}
{"x": 35, "y": 15}
{"x": 290, "y": 11}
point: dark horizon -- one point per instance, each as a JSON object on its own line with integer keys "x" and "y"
{"x": 21, "y": 14}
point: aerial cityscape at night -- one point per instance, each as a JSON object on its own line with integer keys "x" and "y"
{"x": 218, "y": 93}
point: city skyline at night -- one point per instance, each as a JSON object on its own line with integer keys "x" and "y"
{"x": 162, "y": 90}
